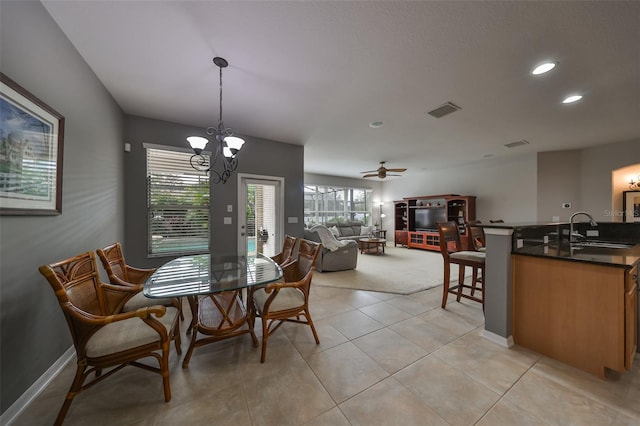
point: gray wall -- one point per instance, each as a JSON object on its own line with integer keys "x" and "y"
{"x": 584, "y": 177}
{"x": 37, "y": 55}
{"x": 258, "y": 157}
{"x": 505, "y": 189}
{"x": 558, "y": 183}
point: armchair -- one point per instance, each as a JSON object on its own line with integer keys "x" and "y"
{"x": 125, "y": 275}
{"x": 286, "y": 255}
{"x": 336, "y": 255}
{"x": 103, "y": 335}
{"x": 287, "y": 301}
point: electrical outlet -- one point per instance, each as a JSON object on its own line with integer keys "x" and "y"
{"x": 593, "y": 233}
{"x": 566, "y": 205}
{"x": 555, "y": 219}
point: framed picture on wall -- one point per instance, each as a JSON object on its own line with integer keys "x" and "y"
{"x": 631, "y": 206}
{"x": 31, "y": 140}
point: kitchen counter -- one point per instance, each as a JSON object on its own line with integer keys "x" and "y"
{"x": 506, "y": 241}
{"x": 622, "y": 257}
{"x": 577, "y": 302}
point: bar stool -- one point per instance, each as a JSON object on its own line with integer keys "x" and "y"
{"x": 451, "y": 249}
{"x": 476, "y": 237}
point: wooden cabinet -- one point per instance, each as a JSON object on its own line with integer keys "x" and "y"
{"x": 424, "y": 240}
{"x": 400, "y": 223}
{"x": 631, "y": 317}
{"x": 400, "y": 237}
{"x": 418, "y": 218}
{"x": 582, "y": 314}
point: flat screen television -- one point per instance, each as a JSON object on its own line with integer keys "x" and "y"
{"x": 426, "y": 218}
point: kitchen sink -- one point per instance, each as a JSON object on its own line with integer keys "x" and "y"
{"x": 602, "y": 244}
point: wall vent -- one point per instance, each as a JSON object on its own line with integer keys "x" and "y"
{"x": 443, "y": 110}
{"x": 518, "y": 143}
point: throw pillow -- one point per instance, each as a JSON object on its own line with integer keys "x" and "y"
{"x": 365, "y": 230}
{"x": 334, "y": 231}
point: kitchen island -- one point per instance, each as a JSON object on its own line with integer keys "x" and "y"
{"x": 575, "y": 303}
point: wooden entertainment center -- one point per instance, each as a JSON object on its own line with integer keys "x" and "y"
{"x": 415, "y": 219}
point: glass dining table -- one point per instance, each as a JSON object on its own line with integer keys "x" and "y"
{"x": 215, "y": 287}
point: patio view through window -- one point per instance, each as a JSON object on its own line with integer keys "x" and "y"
{"x": 329, "y": 204}
{"x": 177, "y": 204}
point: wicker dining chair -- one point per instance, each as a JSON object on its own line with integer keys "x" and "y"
{"x": 122, "y": 274}
{"x": 287, "y": 301}
{"x": 103, "y": 335}
{"x": 452, "y": 253}
{"x": 286, "y": 255}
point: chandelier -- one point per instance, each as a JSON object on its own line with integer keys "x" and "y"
{"x": 227, "y": 145}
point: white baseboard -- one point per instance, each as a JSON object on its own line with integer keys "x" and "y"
{"x": 505, "y": 342}
{"x": 36, "y": 388}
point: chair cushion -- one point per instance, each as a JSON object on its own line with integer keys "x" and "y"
{"x": 141, "y": 301}
{"x": 130, "y": 333}
{"x": 472, "y": 256}
{"x": 287, "y": 298}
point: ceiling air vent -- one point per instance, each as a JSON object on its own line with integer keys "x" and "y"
{"x": 518, "y": 143}
{"x": 443, "y": 110}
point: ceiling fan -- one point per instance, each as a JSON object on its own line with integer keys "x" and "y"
{"x": 381, "y": 172}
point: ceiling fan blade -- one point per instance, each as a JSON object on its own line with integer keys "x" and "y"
{"x": 396, "y": 170}
{"x": 370, "y": 171}
{"x": 372, "y": 175}
{"x": 389, "y": 174}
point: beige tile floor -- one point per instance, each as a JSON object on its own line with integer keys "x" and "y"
{"x": 383, "y": 359}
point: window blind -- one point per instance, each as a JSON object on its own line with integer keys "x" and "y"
{"x": 178, "y": 204}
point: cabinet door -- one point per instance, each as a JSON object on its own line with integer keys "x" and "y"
{"x": 631, "y": 318}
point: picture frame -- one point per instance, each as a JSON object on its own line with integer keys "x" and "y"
{"x": 31, "y": 146}
{"x": 631, "y": 206}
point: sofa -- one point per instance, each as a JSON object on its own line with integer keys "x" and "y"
{"x": 332, "y": 257}
{"x": 345, "y": 230}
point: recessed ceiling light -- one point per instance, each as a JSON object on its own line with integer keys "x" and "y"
{"x": 544, "y": 67}
{"x": 571, "y": 99}
{"x": 376, "y": 124}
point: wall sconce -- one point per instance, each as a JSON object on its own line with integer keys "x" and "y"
{"x": 634, "y": 184}
{"x": 382, "y": 215}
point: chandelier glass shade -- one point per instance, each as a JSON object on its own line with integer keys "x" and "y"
{"x": 224, "y": 160}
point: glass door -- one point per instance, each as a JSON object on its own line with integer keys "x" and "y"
{"x": 260, "y": 215}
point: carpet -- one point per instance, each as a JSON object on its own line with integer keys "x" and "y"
{"x": 399, "y": 270}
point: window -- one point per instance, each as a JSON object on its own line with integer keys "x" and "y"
{"x": 177, "y": 204}
{"x": 327, "y": 204}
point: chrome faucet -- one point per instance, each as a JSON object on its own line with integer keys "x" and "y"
{"x": 591, "y": 222}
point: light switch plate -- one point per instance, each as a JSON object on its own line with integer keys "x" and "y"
{"x": 228, "y": 220}
{"x": 292, "y": 219}
{"x": 593, "y": 233}
{"x": 519, "y": 243}
{"x": 229, "y": 208}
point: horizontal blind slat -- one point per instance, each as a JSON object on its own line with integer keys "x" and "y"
{"x": 178, "y": 204}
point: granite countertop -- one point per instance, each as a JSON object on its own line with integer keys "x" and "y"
{"x": 622, "y": 257}
{"x": 529, "y": 239}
